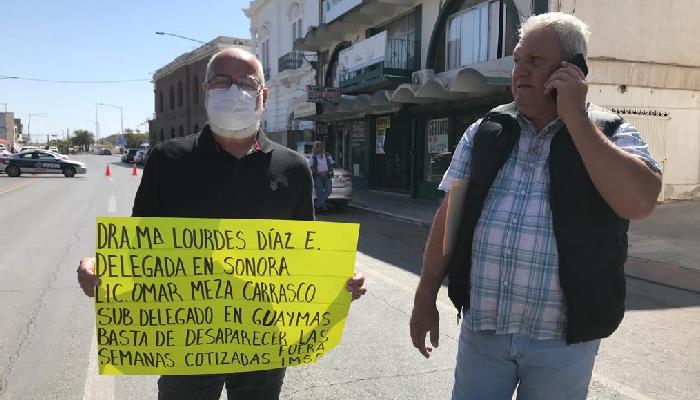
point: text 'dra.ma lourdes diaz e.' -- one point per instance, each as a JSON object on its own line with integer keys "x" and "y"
{"x": 174, "y": 298}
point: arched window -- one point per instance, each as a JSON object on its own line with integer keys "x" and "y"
{"x": 180, "y": 132}
{"x": 161, "y": 107}
{"x": 172, "y": 98}
{"x": 172, "y": 132}
{"x": 162, "y": 137}
{"x": 195, "y": 90}
{"x": 179, "y": 94}
{"x": 196, "y": 128}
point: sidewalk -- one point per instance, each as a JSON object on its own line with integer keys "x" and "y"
{"x": 397, "y": 206}
{"x": 664, "y": 248}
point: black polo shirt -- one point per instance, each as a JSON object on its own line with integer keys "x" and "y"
{"x": 194, "y": 177}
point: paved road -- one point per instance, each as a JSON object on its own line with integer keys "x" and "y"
{"x": 47, "y": 330}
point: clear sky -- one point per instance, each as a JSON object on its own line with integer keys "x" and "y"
{"x": 98, "y": 40}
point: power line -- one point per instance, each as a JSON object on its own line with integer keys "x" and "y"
{"x": 80, "y": 82}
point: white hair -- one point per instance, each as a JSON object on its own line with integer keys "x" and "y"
{"x": 244, "y": 55}
{"x": 573, "y": 33}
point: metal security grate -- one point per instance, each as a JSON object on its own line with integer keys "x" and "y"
{"x": 654, "y": 127}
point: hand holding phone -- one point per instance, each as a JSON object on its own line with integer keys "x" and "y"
{"x": 579, "y": 61}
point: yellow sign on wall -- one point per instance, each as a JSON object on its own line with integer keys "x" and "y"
{"x": 185, "y": 296}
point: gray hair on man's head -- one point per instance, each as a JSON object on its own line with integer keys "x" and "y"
{"x": 573, "y": 33}
{"x": 243, "y": 55}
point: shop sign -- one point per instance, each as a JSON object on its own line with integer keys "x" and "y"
{"x": 437, "y": 135}
{"x": 322, "y": 94}
{"x": 364, "y": 53}
{"x": 383, "y": 123}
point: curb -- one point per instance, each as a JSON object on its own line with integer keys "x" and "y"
{"x": 662, "y": 273}
{"x": 673, "y": 276}
{"x": 397, "y": 217}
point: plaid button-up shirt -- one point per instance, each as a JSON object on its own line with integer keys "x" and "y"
{"x": 514, "y": 278}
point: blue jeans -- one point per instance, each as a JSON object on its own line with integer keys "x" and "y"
{"x": 490, "y": 366}
{"x": 323, "y": 187}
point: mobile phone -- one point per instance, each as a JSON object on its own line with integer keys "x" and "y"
{"x": 578, "y": 61}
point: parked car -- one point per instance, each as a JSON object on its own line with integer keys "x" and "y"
{"x": 103, "y": 151}
{"x": 53, "y": 148}
{"x": 138, "y": 157}
{"x": 341, "y": 181}
{"x": 142, "y": 156}
{"x": 341, "y": 191}
{"x": 27, "y": 148}
{"x": 2, "y": 147}
{"x": 4, "y": 154}
{"x": 129, "y": 155}
{"x": 43, "y": 162}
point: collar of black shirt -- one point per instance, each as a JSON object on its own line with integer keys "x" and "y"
{"x": 207, "y": 145}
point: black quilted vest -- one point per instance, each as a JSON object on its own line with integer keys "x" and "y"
{"x": 591, "y": 238}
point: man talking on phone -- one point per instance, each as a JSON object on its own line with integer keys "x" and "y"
{"x": 536, "y": 272}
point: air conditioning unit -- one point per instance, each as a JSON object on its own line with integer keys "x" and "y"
{"x": 419, "y": 78}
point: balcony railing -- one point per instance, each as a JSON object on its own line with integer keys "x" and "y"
{"x": 291, "y": 60}
{"x": 401, "y": 58}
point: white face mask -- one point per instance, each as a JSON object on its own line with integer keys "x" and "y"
{"x": 233, "y": 113}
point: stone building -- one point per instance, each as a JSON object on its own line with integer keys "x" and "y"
{"x": 177, "y": 88}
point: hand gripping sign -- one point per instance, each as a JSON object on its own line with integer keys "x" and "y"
{"x": 186, "y": 296}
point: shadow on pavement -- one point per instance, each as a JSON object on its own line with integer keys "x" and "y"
{"x": 401, "y": 245}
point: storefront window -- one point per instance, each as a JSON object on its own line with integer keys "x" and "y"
{"x": 437, "y": 155}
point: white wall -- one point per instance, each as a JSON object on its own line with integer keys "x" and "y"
{"x": 682, "y": 169}
{"x": 275, "y": 18}
{"x": 643, "y": 54}
{"x": 430, "y": 13}
{"x": 657, "y": 31}
{"x": 281, "y": 99}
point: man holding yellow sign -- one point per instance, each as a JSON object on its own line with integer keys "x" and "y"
{"x": 219, "y": 278}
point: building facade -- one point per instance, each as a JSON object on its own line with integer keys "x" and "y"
{"x": 177, "y": 88}
{"x": 274, "y": 27}
{"x": 644, "y": 72}
{"x": 10, "y": 132}
{"x": 414, "y": 74}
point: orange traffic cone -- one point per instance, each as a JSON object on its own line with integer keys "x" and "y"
{"x": 134, "y": 171}
{"x": 108, "y": 171}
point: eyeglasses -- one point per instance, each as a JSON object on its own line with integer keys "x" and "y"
{"x": 248, "y": 83}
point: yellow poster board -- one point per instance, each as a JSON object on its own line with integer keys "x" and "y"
{"x": 186, "y": 296}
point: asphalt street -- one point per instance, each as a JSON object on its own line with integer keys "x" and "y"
{"x": 47, "y": 340}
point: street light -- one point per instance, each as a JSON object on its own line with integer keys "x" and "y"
{"x": 181, "y": 37}
{"x": 121, "y": 115}
{"x": 5, "y": 104}
{"x": 29, "y": 124}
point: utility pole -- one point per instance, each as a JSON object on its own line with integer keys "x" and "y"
{"x": 97, "y": 124}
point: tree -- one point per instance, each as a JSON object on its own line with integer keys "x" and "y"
{"x": 62, "y": 145}
{"x": 134, "y": 138}
{"x": 82, "y": 138}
